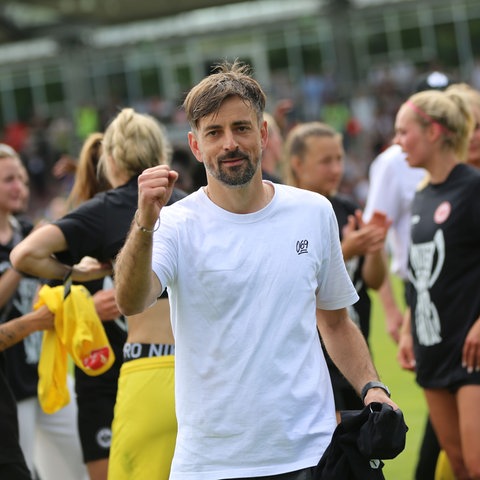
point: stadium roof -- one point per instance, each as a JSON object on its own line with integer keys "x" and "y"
{"x": 74, "y": 20}
{"x": 27, "y": 19}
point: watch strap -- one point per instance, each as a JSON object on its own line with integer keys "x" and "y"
{"x": 374, "y": 384}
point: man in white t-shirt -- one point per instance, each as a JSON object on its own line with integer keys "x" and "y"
{"x": 251, "y": 269}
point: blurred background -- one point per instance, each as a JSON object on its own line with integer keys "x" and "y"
{"x": 68, "y": 66}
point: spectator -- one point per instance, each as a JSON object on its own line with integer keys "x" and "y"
{"x": 49, "y": 442}
{"x": 97, "y": 228}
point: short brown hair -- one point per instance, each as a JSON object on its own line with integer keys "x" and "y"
{"x": 228, "y": 80}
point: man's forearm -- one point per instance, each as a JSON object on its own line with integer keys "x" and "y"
{"x": 349, "y": 351}
{"x": 134, "y": 291}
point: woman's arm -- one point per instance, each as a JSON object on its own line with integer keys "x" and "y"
{"x": 35, "y": 256}
{"x": 405, "y": 355}
{"x": 471, "y": 348}
{"x": 374, "y": 269}
{"x": 17, "y": 329}
{"x": 8, "y": 285}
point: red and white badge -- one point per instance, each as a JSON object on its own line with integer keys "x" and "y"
{"x": 442, "y": 212}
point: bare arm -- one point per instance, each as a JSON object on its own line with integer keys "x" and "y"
{"x": 105, "y": 304}
{"x": 374, "y": 269}
{"x": 393, "y": 313}
{"x": 471, "y": 348}
{"x": 368, "y": 240}
{"x": 349, "y": 351}
{"x": 35, "y": 255}
{"x": 17, "y": 329}
{"x": 136, "y": 285}
{"x": 405, "y": 355}
{"x": 8, "y": 285}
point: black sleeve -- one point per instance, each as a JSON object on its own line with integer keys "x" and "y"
{"x": 84, "y": 229}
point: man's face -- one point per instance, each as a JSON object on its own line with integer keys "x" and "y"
{"x": 230, "y": 143}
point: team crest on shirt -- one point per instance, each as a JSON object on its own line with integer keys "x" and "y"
{"x": 442, "y": 212}
{"x": 104, "y": 437}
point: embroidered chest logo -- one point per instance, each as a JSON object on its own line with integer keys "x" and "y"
{"x": 302, "y": 246}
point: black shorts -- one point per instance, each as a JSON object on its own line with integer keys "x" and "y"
{"x": 96, "y": 396}
{"x": 473, "y": 379}
{"x": 95, "y": 416}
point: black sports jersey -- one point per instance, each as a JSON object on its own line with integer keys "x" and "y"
{"x": 21, "y": 360}
{"x": 444, "y": 271}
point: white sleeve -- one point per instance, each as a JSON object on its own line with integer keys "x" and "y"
{"x": 384, "y": 193}
{"x": 164, "y": 254}
{"x": 336, "y": 289}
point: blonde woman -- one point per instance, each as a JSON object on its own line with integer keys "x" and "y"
{"x": 97, "y": 228}
{"x": 441, "y": 339}
{"x": 49, "y": 443}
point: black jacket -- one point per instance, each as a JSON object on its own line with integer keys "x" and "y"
{"x": 361, "y": 441}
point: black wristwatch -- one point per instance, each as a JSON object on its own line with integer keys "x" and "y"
{"x": 370, "y": 385}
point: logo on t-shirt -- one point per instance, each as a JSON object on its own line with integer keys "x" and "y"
{"x": 442, "y": 212}
{"x": 302, "y": 246}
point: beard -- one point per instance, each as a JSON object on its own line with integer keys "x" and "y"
{"x": 236, "y": 176}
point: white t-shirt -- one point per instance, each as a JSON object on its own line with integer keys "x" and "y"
{"x": 392, "y": 188}
{"x": 253, "y": 393}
